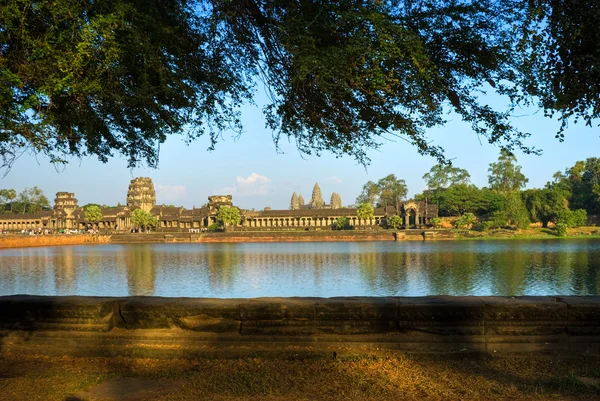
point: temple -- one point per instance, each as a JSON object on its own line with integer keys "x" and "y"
{"x": 68, "y": 215}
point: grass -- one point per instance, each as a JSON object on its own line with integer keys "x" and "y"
{"x": 382, "y": 376}
{"x": 530, "y": 233}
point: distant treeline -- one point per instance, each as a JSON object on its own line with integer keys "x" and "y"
{"x": 568, "y": 198}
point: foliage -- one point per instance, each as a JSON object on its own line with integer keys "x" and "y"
{"x": 8, "y": 196}
{"x": 294, "y": 205}
{"x": 92, "y": 213}
{"x": 516, "y": 211}
{"x": 505, "y": 175}
{"x": 99, "y": 78}
{"x": 436, "y": 222}
{"x": 365, "y": 211}
{"x": 229, "y": 215}
{"x": 342, "y": 223}
{"x": 369, "y": 194}
{"x": 443, "y": 175}
{"x": 30, "y": 200}
{"x": 214, "y": 227}
{"x": 394, "y": 222}
{"x": 465, "y": 221}
{"x": 316, "y": 201}
{"x": 581, "y": 185}
{"x": 462, "y": 198}
{"x": 143, "y": 219}
{"x": 93, "y": 78}
{"x": 543, "y": 205}
{"x": 498, "y": 219}
{"x": 572, "y": 218}
{"x": 561, "y": 229}
{"x": 391, "y": 191}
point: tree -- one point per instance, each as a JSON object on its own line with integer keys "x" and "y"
{"x": 8, "y": 196}
{"x": 294, "y": 205}
{"x": 516, "y": 211}
{"x": 98, "y": 78}
{"x": 581, "y": 185}
{"x": 92, "y": 213}
{"x": 369, "y": 194}
{"x": 505, "y": 175}
{"x": 316, "y": 202}
{"x": 442, "y": 176}
{"x": 143, "y": 219}
{"x": 462, "y": 198}
{"x": 229, "y": 216}
{"x": 544, "y": 205}
{"x": 465, "y": 221}
{"x": 394, "y": 222}
{"x": 391, "y": 191}
{"x": 31, "y": 200}
{"x": 365, "y": 211}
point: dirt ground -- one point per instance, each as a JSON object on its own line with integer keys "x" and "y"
{"x": 387, "y": 376}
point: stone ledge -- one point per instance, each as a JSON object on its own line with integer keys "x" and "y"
{"x": 427, "y": 324}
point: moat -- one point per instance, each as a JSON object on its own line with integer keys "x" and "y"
{"x": 505, "y": 268}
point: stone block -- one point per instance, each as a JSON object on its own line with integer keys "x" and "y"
{"x": 524, "y": 316}
{"x": 356, "y": 315}
{"x": 213, "y": 315}
{"x": 24, "y": 312}
{"x": 583, "y": 315}
{"x": 441, "y": 315}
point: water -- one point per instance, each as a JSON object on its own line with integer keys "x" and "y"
{"x": 565, "y": 267}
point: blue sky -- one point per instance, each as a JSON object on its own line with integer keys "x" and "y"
{"x": 250, "y": 168}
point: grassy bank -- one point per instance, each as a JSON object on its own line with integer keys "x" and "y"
{"x": 390, "y": 376}
{"x": 530, "y": 233}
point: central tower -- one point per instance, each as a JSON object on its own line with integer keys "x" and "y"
{"x": 141, "y": 194}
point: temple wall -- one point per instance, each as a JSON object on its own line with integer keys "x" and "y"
{"x": 171, "y": 327}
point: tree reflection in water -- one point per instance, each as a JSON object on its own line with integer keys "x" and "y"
{"x": 509, "y": 268}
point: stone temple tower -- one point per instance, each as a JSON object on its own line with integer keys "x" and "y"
{"x": 141, "y": 194}
{"x": 65, "y": 203}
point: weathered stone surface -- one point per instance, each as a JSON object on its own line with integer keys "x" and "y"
{"x": 583, "y": 316}
{"x": 25, "y": 312}
{"x": 523, "y": 316}
{"x": 216, "y": 315}
{"x": 442, "y": 315}
{"x": 167, "y": 326}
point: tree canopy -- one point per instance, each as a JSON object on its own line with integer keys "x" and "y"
{"x": 118, "y": 77}
{"x": 443, "y": 175}
{"x": 93, "y": 213}
{"x": 229, "y": 215}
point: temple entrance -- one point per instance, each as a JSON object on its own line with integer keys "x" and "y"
{"x": 412, "y": 218}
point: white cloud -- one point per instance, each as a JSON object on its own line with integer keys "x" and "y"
{"x": 253, "y": 185}
{"x": 169, "y": 193}
{"x": 334, "y": 180}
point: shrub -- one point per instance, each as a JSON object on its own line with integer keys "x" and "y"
{"x": 498, "y": 219}
{"x": 214, "y": 227}
{"x": 436, "y": 222}
{"x": 394, "y": 222}
{"x": 342, "y": 223}
{"x": 465, "y": 221}
{"x": 572, "y": 218}
{"x": 561, "y": 229}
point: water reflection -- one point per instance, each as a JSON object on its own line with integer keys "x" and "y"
{"x": 306, "y": 269}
